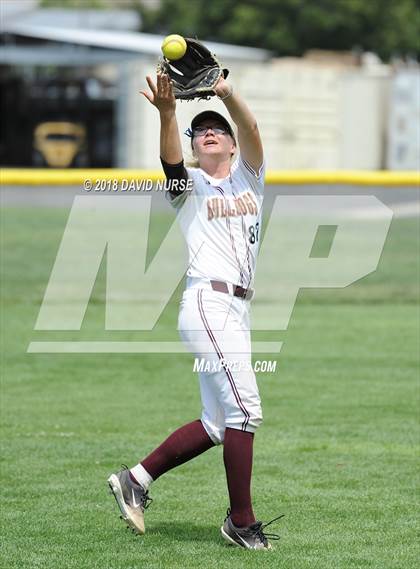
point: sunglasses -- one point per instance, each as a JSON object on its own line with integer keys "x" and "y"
{"x": 202, "y": 130}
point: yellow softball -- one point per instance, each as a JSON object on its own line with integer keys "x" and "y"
{"x": 174, "y": 47}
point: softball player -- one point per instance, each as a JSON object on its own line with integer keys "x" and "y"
{"x": 221, "y": 222}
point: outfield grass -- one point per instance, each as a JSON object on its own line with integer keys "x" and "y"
{"x": 336, "y": 452}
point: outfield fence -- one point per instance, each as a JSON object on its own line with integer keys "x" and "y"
{"x": 68, "y": 177}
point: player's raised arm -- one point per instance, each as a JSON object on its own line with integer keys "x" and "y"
{"x": 248, "y": 134}
{"x": 162, "y": 97}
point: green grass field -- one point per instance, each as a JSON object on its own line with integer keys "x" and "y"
{"x": 336, "y": 453}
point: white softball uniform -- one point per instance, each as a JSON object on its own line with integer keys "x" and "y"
{"x": 221, "y": 222}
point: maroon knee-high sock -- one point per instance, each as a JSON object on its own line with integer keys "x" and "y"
{"x": 184, "y": 444}
{"x": 237, "y": 456}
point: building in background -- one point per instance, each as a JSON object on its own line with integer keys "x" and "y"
{"x": 86, "y": 68}
{"x": 403, "y": 149}
{"x": 52, "y": 72}
{"x": 322, "y": 111}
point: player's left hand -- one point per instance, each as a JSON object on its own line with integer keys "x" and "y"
{"x": 222, "y": 88}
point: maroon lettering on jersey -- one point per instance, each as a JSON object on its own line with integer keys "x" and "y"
{"x": 249, "y": 204}
{"x": 210, "y": 211}
{"x": 242, "y": 206}
{"x": 215, "y": 205}
{"x": 251, "y": 198}
{"x": 230, "y": 211}
{"x": 238, "y": 209}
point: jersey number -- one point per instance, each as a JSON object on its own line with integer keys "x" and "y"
{"x": 253, "y": 231}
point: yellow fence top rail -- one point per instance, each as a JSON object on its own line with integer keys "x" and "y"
{"x": 76, "y": 177}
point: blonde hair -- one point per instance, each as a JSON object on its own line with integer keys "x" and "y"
{"x": 192, "y": 161}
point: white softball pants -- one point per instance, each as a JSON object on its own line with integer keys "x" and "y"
{"x": 215, "y": 327}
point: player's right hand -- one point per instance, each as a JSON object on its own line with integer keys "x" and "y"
{"x": 161, "y": 95}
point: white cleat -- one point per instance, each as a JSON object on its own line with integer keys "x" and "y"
{"x": 132, "y": 500}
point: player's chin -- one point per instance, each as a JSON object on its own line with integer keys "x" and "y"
{"x": 212, "y": 149}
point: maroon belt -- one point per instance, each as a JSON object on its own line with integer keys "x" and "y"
{"x": 221, "y": 286}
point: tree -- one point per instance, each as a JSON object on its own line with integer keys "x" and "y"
{"x": 291, "y": 27}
